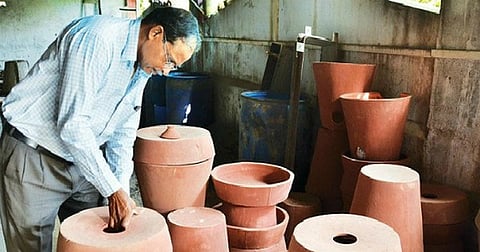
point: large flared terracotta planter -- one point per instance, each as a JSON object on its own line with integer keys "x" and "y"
{"x": 445, "y": 211}
{"x": 334, "y": 79}
{"x": 252, "y": 184}
{"x": 198, "y": 228}
{"x": 326, "y": 168}
{"x": 351, "y": 170}
{"x": 173, "y": 165}
{"x": 391, "y": 194}
{"x": 375, "y": 125}
{"x": 87, "y": 231}
{"x": 299, "y": 206}
{"x": 344, "y": 232}
{"x": 259, "y": 238}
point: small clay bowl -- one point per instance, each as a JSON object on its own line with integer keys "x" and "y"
{"x": 252, "y": 183}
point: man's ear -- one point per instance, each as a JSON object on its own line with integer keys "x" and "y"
{"x": 155, "y": 31}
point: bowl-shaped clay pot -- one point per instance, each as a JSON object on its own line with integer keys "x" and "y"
{"x": 243, "y": 216}
{"x": 252, "y": 183}
{"x": 256, "y": 238}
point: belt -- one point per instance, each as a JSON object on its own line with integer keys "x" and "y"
{"x": 15, "y": 133}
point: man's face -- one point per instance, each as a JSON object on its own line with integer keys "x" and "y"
{"x": 161, "y": 56}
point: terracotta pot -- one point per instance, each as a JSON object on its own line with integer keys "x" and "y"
{"x": 445, "y": 211}
{"x": 477, "y": 227}
{"x": 173, "y": 165}
{"x": 258, "y": 238}
{"x": 299, "y": 206}
{"x": 391, "y": 194}
{"x": 351, "y": 169}
{"x": 443, "y": 204}
{"x": 375, "y": 125}
{"x": 279, "y": 247}
{"x": 343, "y": 232}
{"x": 448, "y": 247}
{"x": 252, "y": 184}
{"x": 254, "y": 217}
{"x": 334, "y": 79}
{"x": 326, "y": 168}
{"x": 86, "y": 232}
{"x": 202, "y": 228}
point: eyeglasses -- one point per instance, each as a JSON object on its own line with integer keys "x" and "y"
{"x": 169, "y": 64}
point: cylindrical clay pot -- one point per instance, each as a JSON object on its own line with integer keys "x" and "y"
{"x": 334, "y": 79}
{"x": 391, "y": 194}
{"x": 198, "y": 228}
{"x": 445, "y": 213}
{"x": 342, "y": 233}
{"x": 173, "y": 165}
{"x": 299, "y": 206}
{"x": 375, "y": 125}
{"x": 87, "y": 231}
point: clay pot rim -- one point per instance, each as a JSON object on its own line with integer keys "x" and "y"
{"x": 175, "y": 165}
{"x": 404, "y": 174}
{"x": 342, "y": 63}
{"x": 359, "y": 97}
{"x": 217, "y": 169}
{"x": 282, "y": 214}
{"x": 347, "y": 155}
{"x": 179, "y": 224}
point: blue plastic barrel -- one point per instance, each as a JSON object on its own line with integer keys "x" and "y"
{"x": 263, "y": 129}
{"x": 178, "y": 98}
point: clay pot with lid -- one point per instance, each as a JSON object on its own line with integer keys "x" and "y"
{"x": 334, "y": 79}
{"x": 173, "y": 165}
{"x": 87, "y": 231}
{"x": 375, "y": 124}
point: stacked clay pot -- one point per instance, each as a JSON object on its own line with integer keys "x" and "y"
{"x": 445, "y": 212}
{"x": 87, "y": 231}
{"x": 173, "y": 165}
{"x": 343, "y": 233}
{"x": 250, "y": 192}
{"x": 332, "y": 80}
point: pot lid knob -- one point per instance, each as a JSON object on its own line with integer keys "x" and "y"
{"x": 170, "y": 133}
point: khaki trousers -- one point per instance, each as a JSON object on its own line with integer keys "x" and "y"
{"x": 34, "y": 189}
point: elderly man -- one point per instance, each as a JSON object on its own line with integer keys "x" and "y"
{"x": 70, "y": 124}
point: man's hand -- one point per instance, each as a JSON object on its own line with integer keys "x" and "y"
{"x": 121, "y": 208}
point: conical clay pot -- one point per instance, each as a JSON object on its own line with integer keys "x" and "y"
{"x": 326, "y": 168}
{"x": 334, "y": 79}
{"x": 375, "y": 125}
{"x": 87, "y": 231}
{"x": 299, "y": 206}
{"x": 199, "y": 228}
{"x": 252, "y": 184}
{"x": 391, "y": 194}
{"x": 173, "y": 165}
{"x": 351, "y": 170}
{"x": 343, "y": 232}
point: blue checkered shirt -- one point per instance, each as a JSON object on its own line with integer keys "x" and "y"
{"x": 82, "y": 99}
